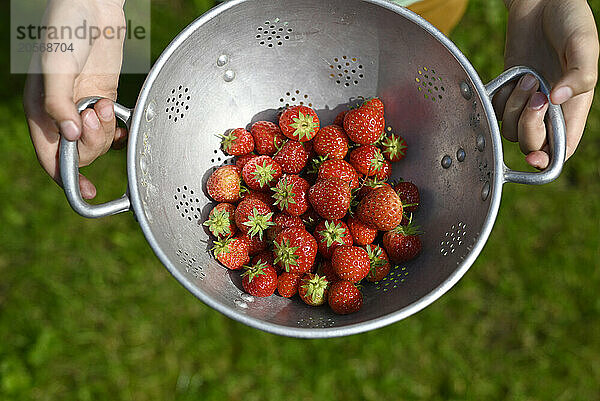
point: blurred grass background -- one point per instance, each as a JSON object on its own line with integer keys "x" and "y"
{"x": 88, "y": 313}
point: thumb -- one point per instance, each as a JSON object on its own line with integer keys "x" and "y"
{"x": 58, "y": 102}
{"x": 581, "y": 67}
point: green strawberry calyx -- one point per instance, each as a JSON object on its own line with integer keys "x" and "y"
{"x": 394, "y": 146}
{"x": 254, "y": 270}
{"x": 258, "y": 223}
{"x": 316, "y": 164}
{"x": 286, "y": 254}
{"x": 304, "y": 125}
{"x": 219, "y": 223}
{"x": 284, "y": 193}
{"x": 315, "y": 288}
{"x": 333, "y": 233}
{"x": 222, "y": 246}
{"x": 375, "y": 258}
{"x": 228, "y": 140}
{"x": 376, "y": 162}
{"x": 410, "y": 229}
{"x": 264, "y": 173}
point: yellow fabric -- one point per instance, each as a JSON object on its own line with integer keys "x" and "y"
{"x": 444, "y": 14}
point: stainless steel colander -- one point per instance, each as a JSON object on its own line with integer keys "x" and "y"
{"x": 244, "y": 59}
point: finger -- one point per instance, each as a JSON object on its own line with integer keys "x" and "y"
{"x": 120, "y": 138}
{"x": 515, "y": 104}
{"x": 500, "y": 98}
{"x": 105, "y": 109}
{"x": 531, "y": 126}
{"x": 87, "y": 189}
{"x": 538, "y": 159}
{"x": 92, "y": 141}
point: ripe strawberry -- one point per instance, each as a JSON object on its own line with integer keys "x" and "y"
{"x": 221, "y": 222}
{"x": 380, "y": 209}
{"x": 364, "y": 125}
{"x": 326, "y": 269}
{"x": 223, "y": 185}
{"x": 384, "y": 173}
{"x": 369, "y": 184}
{"x": 267, "y": 137}
{"x": 253, "y": 216}
{"x": 361, "y": 233}
{"x": 282, "y": 221}
{"x": 409, "y": 195}
{"x": 330, "y": 235}
{"x": 394, "y": 148}
{"x": 261, "y": 196}
{"x": 331, "y": 141}
{"x": 295, "y": 250}
{"x": 339, "y": 119}
{"x": 287, "y": 284}
{"x": 402, "y": 243}
{"x": 344, "y": 298}
{"x": 299, "y": 123}
{"x": 374, "y": 103}
{"x": 264, "y": 256}
{"x": 312, "y": 289}
{"x": 350, "y": 263}
{"x": 259, "y": 280}
{"x": 290, "y": 194}
{"x": 237, "y": 142}
{"x": 255, "y": 244}
{"x": 261, "y": 172}
{"x": 340, "y": 169}
{"x": 330, "y": 198}
{"x": 232, "y": 252}
{"x": 367, "y": 160}
{"x": 241, "y": 161}
{"x": 380, "y": 263}
{"x": 292, "y": 157}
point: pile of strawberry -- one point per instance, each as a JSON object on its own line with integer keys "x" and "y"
{"x": 304, "y": 207}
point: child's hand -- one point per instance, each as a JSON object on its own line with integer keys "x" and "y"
{"x": 66, "y": 77}
{"x": 558, "y": 38}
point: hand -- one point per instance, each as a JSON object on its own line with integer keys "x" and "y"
{"x": 57, "y": 80}
{"x": 558, "y": 38}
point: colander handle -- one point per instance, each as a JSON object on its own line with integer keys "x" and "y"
{"x": 555, "y": 121}
{"x": 69, "y": 171}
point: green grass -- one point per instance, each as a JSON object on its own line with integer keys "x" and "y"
{"x": 88, "y": 313}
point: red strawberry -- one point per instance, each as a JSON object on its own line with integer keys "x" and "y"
{"x": 367, "y": 160}
{"x": 241, "y": 161}
{"x": 221, "y": 222}
{"x": 267, "y": 137}
{"x": 330, "y": 235}
{"x": 282, "y": 221}
{"x": 330, "y": 198}
{"x": 253, "y": 216}
{"x": 237, "y": 142}
{"x": 255, "y": 244}
{"x": 326, "y": 269}
{"x": 380, "y": 209}
{"x": 287, "y": 284}
{"x": 299, "y": 123}
{"x": 292, "y": 157}
{"x": 402, "y": 243}
{"x": 409, "y": 195}
{"x": 259, "y": 280}
{"x": 380, "y": 263}
{"x": 261, "y": 196}
{"x": 223, "y": 185}
{"x": 261, "y": 172}
{"x": 331, "y": 141}
{"x": 232, "y": 252}
{"x": 344, "y": 298}
{"x": 384, "y": 173}
{"x": 361, "y": 233}
{"x": 340, "y": 169}
{"x": 339, "y": 119}
{"x": 374, "y": 103}
{"x": 364, "y": 125}
{"x": 369, "y": 184}
{"x": 290, "y": 194}
{"x": 295, "y": 250}
{"x": 264, "y": 256}
{"x": 394, "y": 148}
{"x": 350, "y": 263}
{"x": 312, "y": 289}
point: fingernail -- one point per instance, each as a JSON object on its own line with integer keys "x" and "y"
{"x": 537, "y": 101}
{"x": 91, "y": 121}
{"x": 106, "y": 113}
{"x": 69, "y": 129}
{"x": 562, "y": 94}
{"x": 527, "y": 82}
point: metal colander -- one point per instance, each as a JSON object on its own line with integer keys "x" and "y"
{"x": 241, "y": 62}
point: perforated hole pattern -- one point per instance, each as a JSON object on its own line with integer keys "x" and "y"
{"x": 187, "y": 204}
{"x": 453, "y": 238}
{"x": 295, "y": 97}
{"x": 346, "y": 70}
{"x": 192, "y": 267}
{"x": 429, "y": 84}
{"x": 273, "y": 33}
{"x": 178, "y": 103}
{"x": 395, "y": 277}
